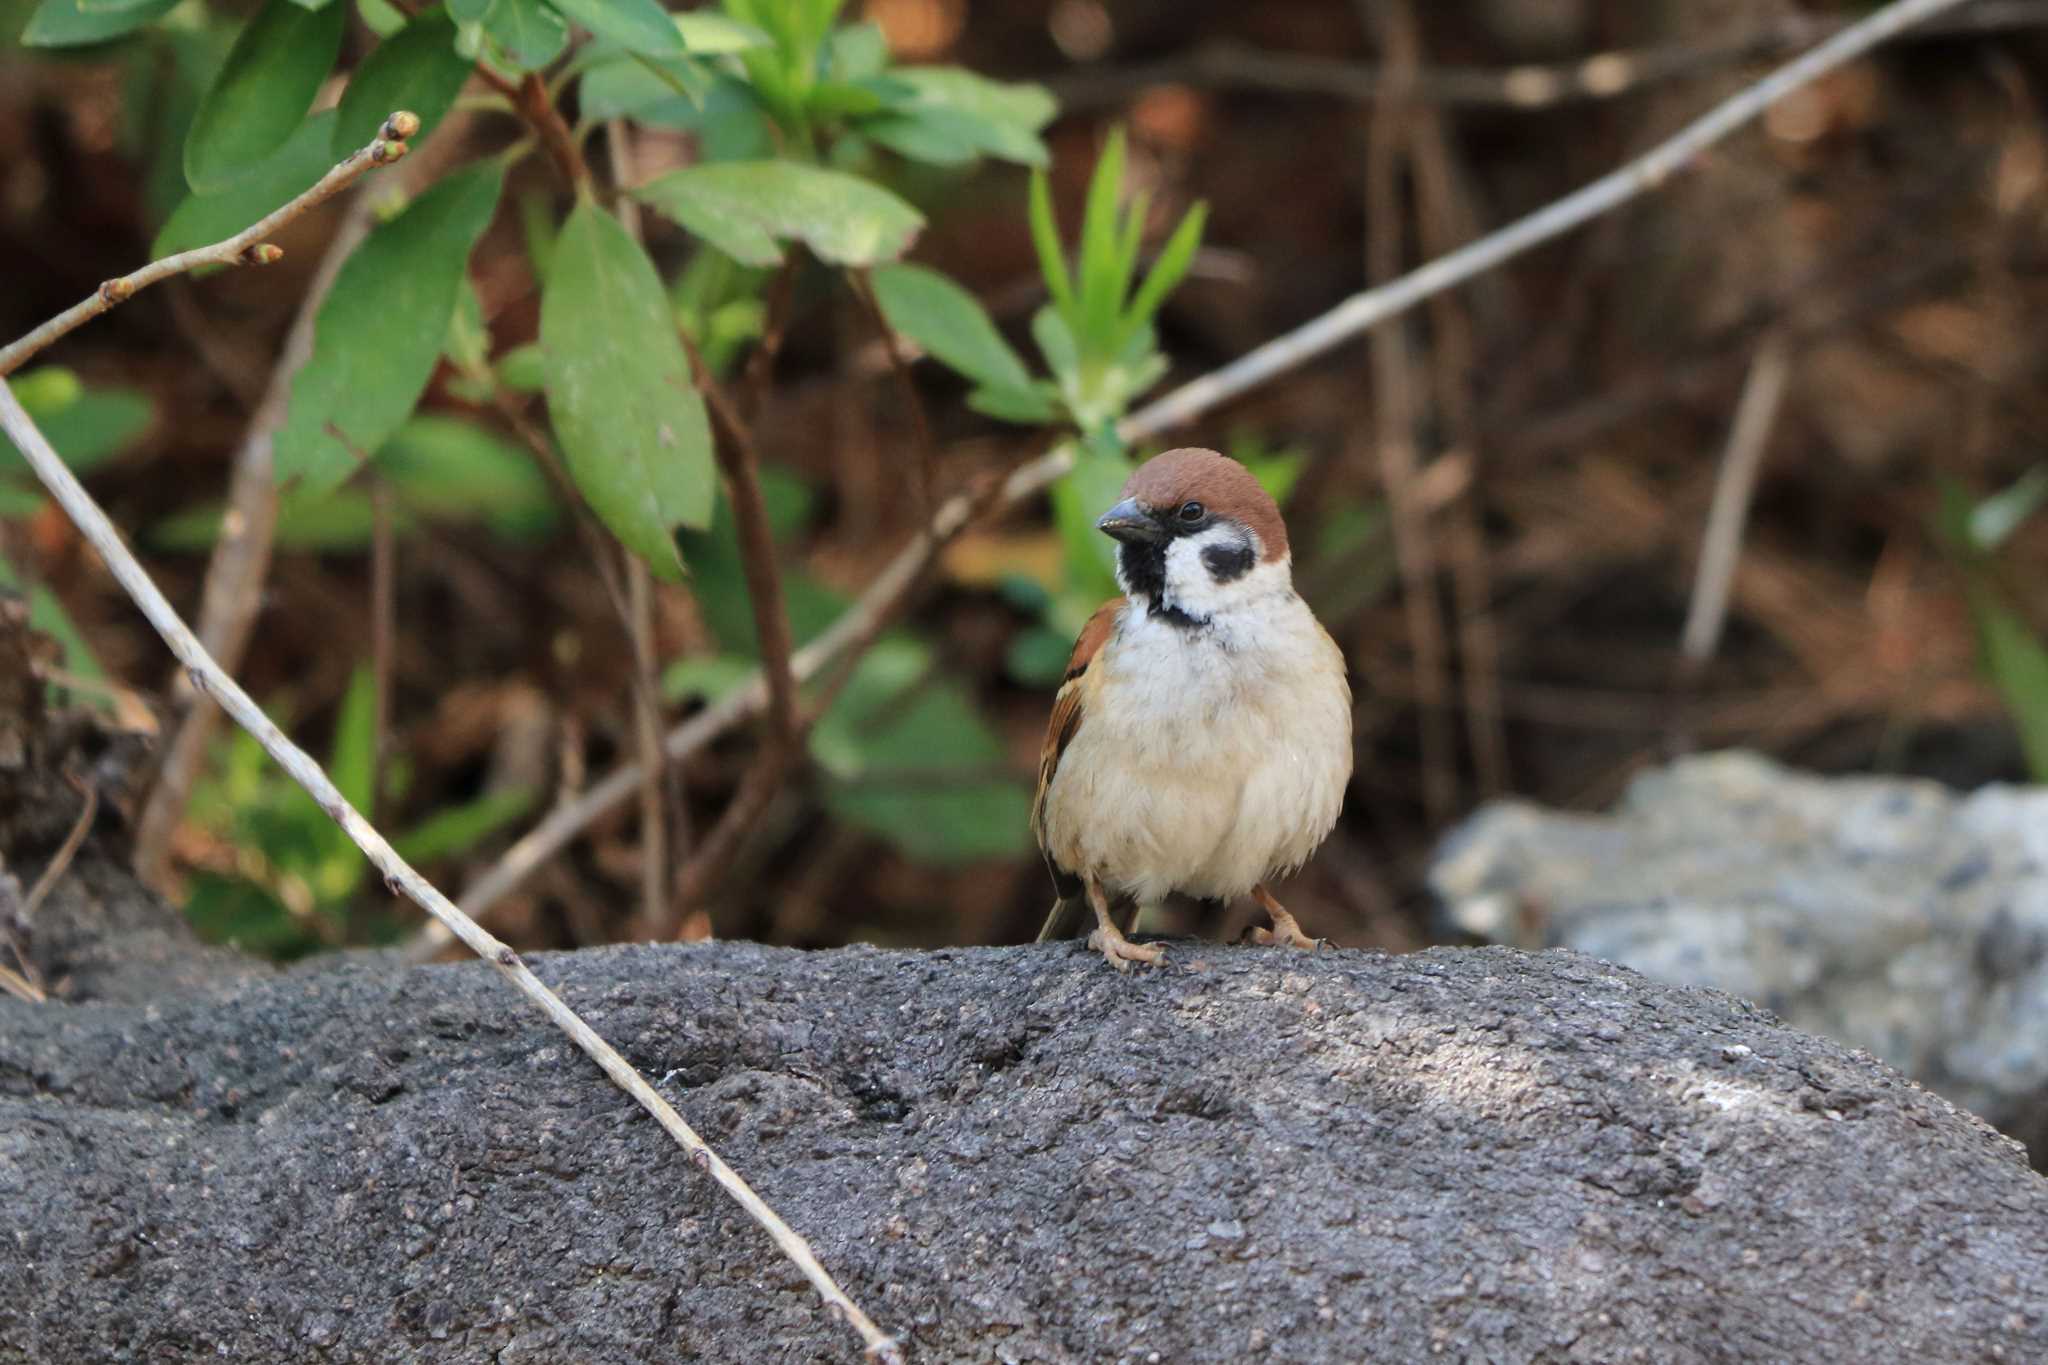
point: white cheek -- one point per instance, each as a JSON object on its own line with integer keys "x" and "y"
{"x": 1189, "y": 584}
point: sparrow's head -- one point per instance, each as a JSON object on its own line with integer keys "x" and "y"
{"x": 1197, "y": 536}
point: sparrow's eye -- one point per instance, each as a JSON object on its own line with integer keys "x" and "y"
{"x": 1192, "y": 512}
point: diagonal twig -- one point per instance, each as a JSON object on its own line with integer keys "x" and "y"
{"x": 93, "y": 524}
{"x": 246, "y": 247}
{"x": 1190, "y": 401}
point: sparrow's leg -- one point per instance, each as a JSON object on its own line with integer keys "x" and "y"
{"x": 1284, "y": 930}
{"x": 1110, "y": 941}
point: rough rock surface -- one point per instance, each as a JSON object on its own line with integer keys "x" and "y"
{"x": 1006, "y": 1154}
{"x": 1889, "y": 913}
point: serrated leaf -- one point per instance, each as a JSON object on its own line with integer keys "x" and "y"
{"x": 527, "y": 32}
{"x": 415, "y": 70}
{"x": 636, "y": 25}
{"x": 744, "y": 208}
{"x": 632, "y": 426}
{"x": 291, "y": 170}
{"x": 953, "y": 115}
{"x": 262, "y": 92}
{"x": 949, "y": 323}
{"x": 61, "y": 23}
{"x": 379, "y": 334}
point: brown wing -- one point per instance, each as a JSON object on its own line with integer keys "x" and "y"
{"x": 1066, "y": 708}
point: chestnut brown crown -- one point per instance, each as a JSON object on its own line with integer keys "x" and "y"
{"x": 1222, "y": 485}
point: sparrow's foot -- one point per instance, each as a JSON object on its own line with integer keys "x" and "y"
{"x": 1285, "y": 931}
{"x": 1120, "y": 952}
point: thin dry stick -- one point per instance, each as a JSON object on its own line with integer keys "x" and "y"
{"x": 233, "y": 596}
{"x": 383, "y": 627}
{"x": 654, "y": 873}
{"x": 1394, "y": 411}
{"x": 94, "y": 526}
{"x": 1600, "y": 76}
{"x": 246, "y": 247}
{"x": 1446, "y": 220}
{"x": 741, "y": 461}
{"x": 66, "y": 851}
{"x": 1192, "y": 400}
{"x": 1721, "y": 545}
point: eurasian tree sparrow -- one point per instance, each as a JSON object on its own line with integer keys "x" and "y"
{"x": 1202, "y": 739}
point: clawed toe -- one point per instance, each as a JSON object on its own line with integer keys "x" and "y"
{"x": 1289, "y": 936}
{"x": 1120, "y": 952}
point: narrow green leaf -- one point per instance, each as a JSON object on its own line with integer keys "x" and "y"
{"x": 1128, "y": 241}
{"x": 468, "y": 11}
{"x": 2018, "y": 665}
{"x": 1045, "y": 236}
{"x": 380, "y": 332}
{"x": 1078, "y": 501}
{"x": 745, "y": 207}
{"x": 523, "y": 369}
{"x": 1099, "y": 307}
{"x": 455, "y": 830}
{"x": 668, "y": 91}
{"x": 1169, "y": 270}
{"x": 1992, "y": 521}
{"x": 61, "y": 23}
{"x": 415, "y": 70}
{"x": 109, "y": 6}
{"x": 381, "y": 17}
{"x": 632, "y": 426}
{"x": 291, "y": 170}
{"x": 47, "y": 614}
{"x": 636, "y": 25}
{"x": 263, "y": 91}
{"x": 527, "y": 32}
{"x": 947, "y": 321}
{"x": 86, "y": 427}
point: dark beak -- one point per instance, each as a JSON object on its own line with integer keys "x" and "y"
{"x": 1131, "y": 524}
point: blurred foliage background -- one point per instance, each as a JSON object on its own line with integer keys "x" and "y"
{"x": 1210, "y": 175}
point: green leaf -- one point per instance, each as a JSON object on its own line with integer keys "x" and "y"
{"x": 1078, "y": 500}
{"x": 381, "y": 17}
{"x": 744, "y": 208}
{"x": 636, "y": 25}
{"x": 632, "y": 426}
{"x": 707, "y": 34}
{"x": 523, "y": 369}
{"x": 2018, "y": 665}
{"x": 340, "y": 521}
{"x": 452, "y": 470}
{"x": 271, "y": 76}
{"x": 947, "y": 321}
{"x": 108, "y": 6}
{"x": 288, "y": 172}
{"x": 1169, "y": 270}
{"x": 528, "y": 33}
{"x": 1045, "y": 238}
{"x": 913, "y": 760}
{"x": 704, "y": 677}
{"x": 47, "y": 614}
{"x": 468, "y": 11}
{"x": 1992, "y": 521}
{"x": 380, "y": 332}
{"x": 61, "y": 23}
{"x": 86, "y": 427}
{"x": 455, "y": 830}
{"x": 1025, "y": 407}
{"x": 1101, "y": 300}
{"x": 953, "y": 116}
{"x": 416, "y": 70}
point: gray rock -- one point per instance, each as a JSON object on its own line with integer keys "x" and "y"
{"x": 1006, "y": 1154}
{"x": 1888, "y": 913}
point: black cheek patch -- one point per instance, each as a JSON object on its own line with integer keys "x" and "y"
{"x": 1226, "y": 563}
